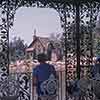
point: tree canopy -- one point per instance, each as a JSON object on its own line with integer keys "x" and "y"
{"x": 17, "y": 49}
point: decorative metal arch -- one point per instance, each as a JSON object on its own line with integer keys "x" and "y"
{"x": 78, "y": 20}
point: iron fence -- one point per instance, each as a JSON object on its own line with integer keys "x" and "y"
{"x": 17, "y": 84}
{"x": 20, "y": 85}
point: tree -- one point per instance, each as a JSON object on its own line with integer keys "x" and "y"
{"x": 17, "y": 49}
{"x": 49, "y": 50}
{"x": 57, "y": 43}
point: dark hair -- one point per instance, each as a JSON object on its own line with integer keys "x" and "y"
{"x": 42, "y": 57}
{"x": 98, "y": 59}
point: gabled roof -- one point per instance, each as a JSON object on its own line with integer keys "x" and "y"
{"x": 43, "y": 40}
{"x": 34, "y": 40}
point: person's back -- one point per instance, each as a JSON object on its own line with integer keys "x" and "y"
{"x": 46, "y": 82}
{"x": 95, "y": 70}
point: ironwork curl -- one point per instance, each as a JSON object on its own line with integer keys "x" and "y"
{"x": 78, "y": 19}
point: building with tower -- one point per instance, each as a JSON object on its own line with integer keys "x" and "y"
{"x": 42, "y": 45}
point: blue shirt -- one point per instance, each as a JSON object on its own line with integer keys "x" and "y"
{"x": 42, "y": 73}
{"x": 95, "y": 69}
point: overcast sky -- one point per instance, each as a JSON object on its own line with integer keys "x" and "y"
{"x": 44, "y": 20}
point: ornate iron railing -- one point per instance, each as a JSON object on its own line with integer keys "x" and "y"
{"x": 78, "y": 19}
{"x": 18, "y": 85}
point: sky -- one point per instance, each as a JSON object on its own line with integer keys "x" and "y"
{"x": 45, "y": 20}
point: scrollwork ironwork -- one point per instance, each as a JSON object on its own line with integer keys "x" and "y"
{"x": 78, "y": 19}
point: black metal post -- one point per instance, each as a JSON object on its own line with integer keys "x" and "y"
{"x": 91, "y": 35}
{"x": 8, "y": 36}
{"x": 78, "y": 69}
{"x": 66, "y": 62}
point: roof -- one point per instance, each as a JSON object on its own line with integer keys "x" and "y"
{"x": 29, "y": 49}
{"x": 43, "y": 40}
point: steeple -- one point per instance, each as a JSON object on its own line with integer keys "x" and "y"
{"x": 34, "y": 34}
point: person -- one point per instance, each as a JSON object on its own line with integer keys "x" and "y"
{"x": 45, "y": 79}
{"x": 96, "y": 78}
{"x": 95, "y": 70}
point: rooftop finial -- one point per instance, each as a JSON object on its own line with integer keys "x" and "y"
{"x": 34, "y": 32}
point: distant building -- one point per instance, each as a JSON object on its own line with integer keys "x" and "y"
{"x": 38, "y": 45}
{"x": 42, "y": 45}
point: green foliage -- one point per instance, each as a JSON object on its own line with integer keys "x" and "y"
{"x": 17, "y": 49}
{"x": 57, "y": 43}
